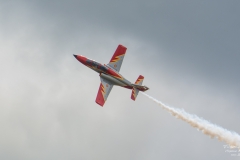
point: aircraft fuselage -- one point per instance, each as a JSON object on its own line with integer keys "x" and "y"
{"x": 105, "y": 72}
{"x": 110, "y": 76}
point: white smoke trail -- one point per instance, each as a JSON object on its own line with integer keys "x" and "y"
{"x": 213, "y": 130}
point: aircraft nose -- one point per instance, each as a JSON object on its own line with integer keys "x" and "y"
{"x": 80, "y": 58}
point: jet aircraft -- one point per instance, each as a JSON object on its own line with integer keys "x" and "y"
{"x": 110, "y": 76}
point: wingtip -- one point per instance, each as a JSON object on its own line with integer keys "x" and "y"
{"x": 99, "y": 103}
{"x": 120, "y": 45}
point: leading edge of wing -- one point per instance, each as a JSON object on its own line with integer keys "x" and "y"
{"x": 103, "y": 91}
{"x": 117, "y": 58}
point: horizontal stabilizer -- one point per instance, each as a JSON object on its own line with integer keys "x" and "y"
{"x": 138, "y": 87}
{"x": 134, "y": 93}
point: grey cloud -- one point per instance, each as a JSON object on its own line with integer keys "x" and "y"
{"x": 194, "y": 36}
{"x": 187, "y": 51}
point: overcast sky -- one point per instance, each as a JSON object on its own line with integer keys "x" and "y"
{"x": 188, "y": 52}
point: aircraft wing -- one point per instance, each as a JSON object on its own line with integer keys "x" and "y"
{"x": 117, "y": 58}
{"x": 103, "y": 91}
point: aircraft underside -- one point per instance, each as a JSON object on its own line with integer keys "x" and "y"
{"x": 110, "y": 76}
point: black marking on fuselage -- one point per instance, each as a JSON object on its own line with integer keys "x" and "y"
{"x": 96, "y": 65}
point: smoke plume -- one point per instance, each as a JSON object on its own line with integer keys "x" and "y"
{"x": 213, "y": 130}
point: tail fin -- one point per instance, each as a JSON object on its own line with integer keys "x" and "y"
{"x": 135, "y": 89}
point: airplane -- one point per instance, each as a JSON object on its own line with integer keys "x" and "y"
{"x": 110, "y": 76}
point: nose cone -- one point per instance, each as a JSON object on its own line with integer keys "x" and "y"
{"x": 80, "y": 58}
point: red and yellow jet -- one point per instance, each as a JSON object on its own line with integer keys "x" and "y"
{"x": 109, "y": 75}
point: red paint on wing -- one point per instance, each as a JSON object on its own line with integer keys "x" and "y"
{"x": 121, "y": 50}
{"x": 100, "y": 99}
